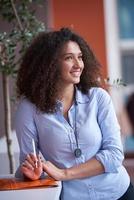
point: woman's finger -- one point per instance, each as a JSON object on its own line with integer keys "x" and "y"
{"x": 32, "y": 159}
{"x": 28, "y": 165}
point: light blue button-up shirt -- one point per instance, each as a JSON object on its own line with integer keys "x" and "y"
{"x": 98, "y": 135}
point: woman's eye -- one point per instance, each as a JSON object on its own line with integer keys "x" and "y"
{"x": 68, "y": 58}
{"x": 80, "y": 57}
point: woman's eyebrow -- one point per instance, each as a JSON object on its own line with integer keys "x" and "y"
{"x": 65, "y": 54}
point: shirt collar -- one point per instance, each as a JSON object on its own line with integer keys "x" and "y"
{"x": 80, "y": 97}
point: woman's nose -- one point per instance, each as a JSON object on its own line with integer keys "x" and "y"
{"x": 77, "y": 63}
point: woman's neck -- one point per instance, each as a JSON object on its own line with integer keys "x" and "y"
{"x": 67, "y": 97}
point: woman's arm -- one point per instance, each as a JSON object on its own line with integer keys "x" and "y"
{"x": 26, "y": 132}
{"x": 92, "y": 167}
{"x": 110, "y": 153}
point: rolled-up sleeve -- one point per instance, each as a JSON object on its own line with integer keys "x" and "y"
{"x": 111, "y": 151}
{"x": 25, "y": 130}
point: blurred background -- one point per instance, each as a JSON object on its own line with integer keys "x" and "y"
{"x": 108, "y": 27}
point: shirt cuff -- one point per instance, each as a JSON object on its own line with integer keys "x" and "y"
{"x": 109, "y": 161}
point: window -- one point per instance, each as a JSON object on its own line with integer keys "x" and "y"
{"x": 125, "y": 13}
{"x": 125, "y": 10}
{"x": 128, "y": 67}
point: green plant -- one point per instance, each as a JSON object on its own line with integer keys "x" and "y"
{"x": 115, "y": 82}
{"x": 23, "y": 26}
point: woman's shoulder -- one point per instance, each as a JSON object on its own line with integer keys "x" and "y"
{"x": 25, "y": 113}
{"x": 23, "y": 101}
{"x": 94, "y": 94}
{"x": 25, "y": 106}
{"x": 98, "y": 92}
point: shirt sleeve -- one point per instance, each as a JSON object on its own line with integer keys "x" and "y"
{"x": 25, "y": 130}
{"x": 111, "y": 151}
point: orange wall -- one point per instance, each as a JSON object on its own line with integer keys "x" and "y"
{"x": 86, "y": 17}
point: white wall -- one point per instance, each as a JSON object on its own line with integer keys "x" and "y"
{"x": 4, "y": 161}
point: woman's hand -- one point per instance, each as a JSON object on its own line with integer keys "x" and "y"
{"x": 53, "y": 171}
{"x": 32, "y": 167}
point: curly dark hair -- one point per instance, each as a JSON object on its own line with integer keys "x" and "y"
{"x": 39, "y": 72}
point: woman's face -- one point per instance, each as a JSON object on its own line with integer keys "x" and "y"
{"x": 71, "y": 63}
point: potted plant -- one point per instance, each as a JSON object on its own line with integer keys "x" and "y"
{"x": 23, "y": 26}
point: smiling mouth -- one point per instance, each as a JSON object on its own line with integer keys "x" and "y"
{"x": 76, "y": 73}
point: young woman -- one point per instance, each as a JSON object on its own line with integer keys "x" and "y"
{"x": 71, "y": 119}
